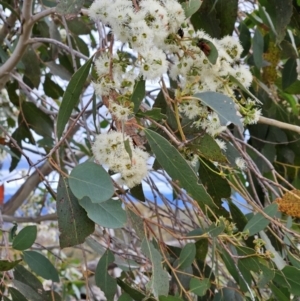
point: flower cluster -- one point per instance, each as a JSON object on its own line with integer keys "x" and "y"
{"x": 117, "y": 151}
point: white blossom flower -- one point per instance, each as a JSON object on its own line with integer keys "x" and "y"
{"x": 221, "y": 144}
{"x": 154, "y": 64}
{"x": 120, "y": 112}
{"x": 232, "y": 46}
{"x": 109, "y": 149}
{"x": 241, "y": 163}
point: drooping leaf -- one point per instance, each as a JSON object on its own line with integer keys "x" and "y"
{"x": 36, "y": 119}
{"x": 109, "y": 214}
{"x": 267, "y": 274}
{"x": 137, "y": 223}
{"x": 6, "y": 265}
{"x": 32, "y": 69}
{"x": 91, "y": 180}
{"x": 289, "y": 277}
{"x": 138, "y": 192}
{"x": 59, "y": 70}
{"x": 125, "y": 297}
{"x": 289, "y": 73}
{"x": 201, "y": 249}
{"x": 217, "y": 187}
{"x": 138, "y": 94}
{"x": 69, "y": 7}
{"x": 52, "y": 89}
{"x": 206, "y": 19}
{"x": 191, "y": 7}
{"x": 155, "y": 114}
{"x": 258, "y": 48}
{"x": 245, "y": 38}
{"x": 134, "y": 293}
{"x": 25, "y": 238}
{"x": 71, "y": 96}
{"x": 16, "y": 295}
{"x": 41, "y": 265}
{"x": 159, "y": 282}
{"x": 229, "y": 293}
{"x": 227, "y": 11}
{"x": 258, "y": 222}
{"x": 169, "y": 298}
{"x": 71, "y": 216}
{"x": 177, "y": 167}
{"x": 223, "y": 106}
{"x": 199, "y": 287}
{"x": 27, "y": 291}
{"x": 187, "y": 256}
{"x": 207, "y": 147}
{"x": 23, "y": 275}
{"x": 103, "y": 280}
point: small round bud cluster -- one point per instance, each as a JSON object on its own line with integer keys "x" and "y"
{"x": 117, "y": 151}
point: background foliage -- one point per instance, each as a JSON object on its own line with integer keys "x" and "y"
{"x": 124, "y": 242}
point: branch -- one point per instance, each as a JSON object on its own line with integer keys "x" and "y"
{"x": 27, "y": 22}
{"x": 57, "y": 43}
{"x": 24, "y": 191}
{"x": 38, "y": 219}
{"x": 279, "y": 124}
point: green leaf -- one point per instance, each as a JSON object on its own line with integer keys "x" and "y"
{"x": 292, "y": 276}
{"x": 212, "y": 54}
{"x": 230, "y": 264}
{"x": 71, "y": 96}
{"x": 223, "y": 105}
{"x": 201, "y": 249}
{"x": 49, "y": 3}
{"x": 27, "y": 291}
{"x": 125, "y": 297}
{"x": 6, "y": 265}
{"x": 128, "y": 148}
{"x": 32, "y": 67}
{"x": 36, "y": 119}
{"x": 103, "y": 280}
{"x": 41, "y": 265}
{"x": 59, "y": 70}
{"x": 52, "y": 89}
{"x": 25, "y": 238}
{"x": 266, "y": 276}
{"x": 289, "y": 73}
{"x": 155, "y": 114}
{"x": 199, "y": 287}
{"x": 177, "y": 167}
{"x": 23, "y": 275}
{"x": 137, "y": 223}
{"x": 138, "y": 192}
{"x": 237, "y": 216}
{"x": 258, "y": 222}
{"x": 245, "y": 38}
{"x": 258, "y": 48}
{"x": 134, "y": 293}
{"x": 16, "y": 295}
{"x": 91, "y": 180}
{"x": 69, "y": 7}
{"x": 71, "y": 216}
{"x": 191, "y": 7}
{"x": 169, "y": 298}
{"x": 187, "y": 256}
{"x": 227, "y": 12}
{"x": 216, "y": 186}
{"x": 206, "y": 19}
{"x": 78, "y": 26}
{"x": 228, "y": 293}
{"x": 159, "y": 283}
{"x": 280, "y": 293}
{"x": 216, "y": 229}
{"x": 109, "y": 214}
{"x": 138, "y": 94}
{"x": 207, "y": 147}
